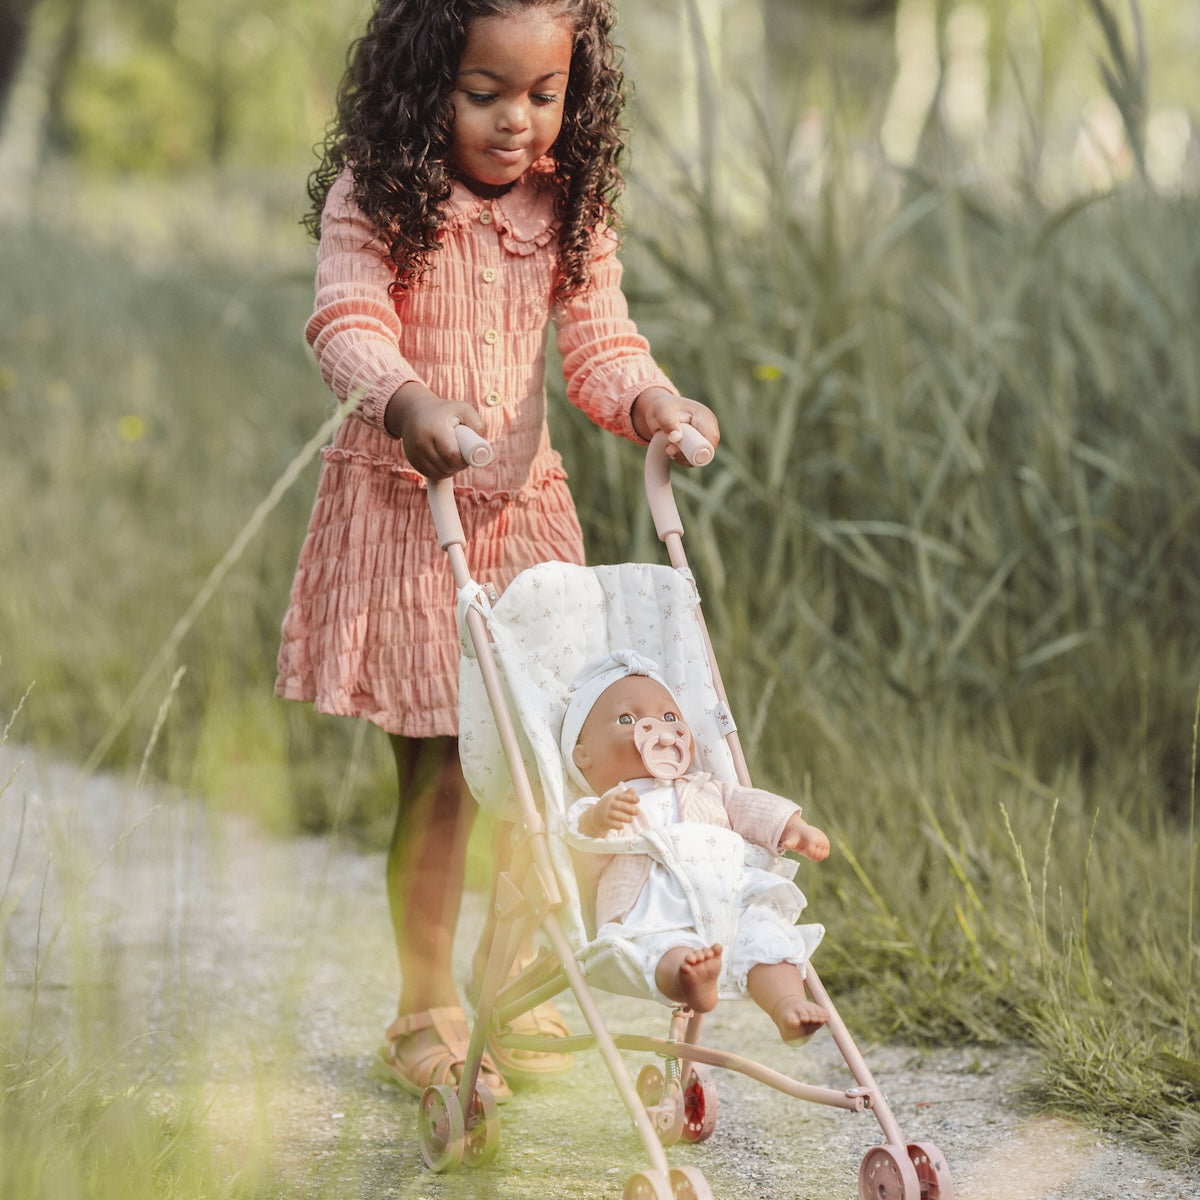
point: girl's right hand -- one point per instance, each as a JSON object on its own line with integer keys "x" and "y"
{"x": 425, "y": 423}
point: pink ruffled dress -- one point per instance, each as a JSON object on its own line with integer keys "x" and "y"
{"x": 370, "y": 629}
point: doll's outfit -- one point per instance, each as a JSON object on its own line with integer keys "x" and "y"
{"x": 370, "y": 628}
{"x": 686, "y": 872}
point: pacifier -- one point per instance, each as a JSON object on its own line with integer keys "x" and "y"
{"x": 665, "y": 747}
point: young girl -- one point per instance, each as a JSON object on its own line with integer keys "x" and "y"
{"x": 464, "y": 201}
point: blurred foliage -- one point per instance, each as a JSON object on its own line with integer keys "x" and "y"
{"x": 948, "y": 549}
{"x": 171, "y": 86}
{"x": 175, "y": 85}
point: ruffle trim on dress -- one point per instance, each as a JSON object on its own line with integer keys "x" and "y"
{"x": 552, "y": 474}
{"x": 524, "y": 216}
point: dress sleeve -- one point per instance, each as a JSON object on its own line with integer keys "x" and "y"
{"x": 607, "y": 363}
{"x": 354, "y": 329}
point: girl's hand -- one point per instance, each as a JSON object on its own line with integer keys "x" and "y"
{"x": 614, "y": 810}
{"x": 425, "y": 423}
{"x": 658, "y": 409}
{"x": 803, "y": 838}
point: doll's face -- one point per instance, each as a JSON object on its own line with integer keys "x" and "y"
{"x": 509, "y": 94}
{"x": 612, "y": 745}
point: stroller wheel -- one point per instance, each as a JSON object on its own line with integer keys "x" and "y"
{"x": 648, "y": 1185}
{"x": 699, "y": 1105}
{"x": 887, "y": 1173}
{"x": 481, "y": 1139}
{"x": 687, "y": 1183}
{"x": 650, "y": 1085}
{"x": 440, "y": 1127}
{"x": 932, "y": 1172}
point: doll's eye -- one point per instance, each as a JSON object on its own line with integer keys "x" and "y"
{"x": 670, "y": 716}
{"x": 625, "y": 719}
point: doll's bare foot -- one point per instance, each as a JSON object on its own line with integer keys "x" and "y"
{"x": 698, "y": 975}
{"x": 689, "y": 976}
{"x": 797, "y": 1018}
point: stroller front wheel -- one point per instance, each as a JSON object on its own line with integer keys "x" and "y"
{"x": 648, "y": 1185}
{"x": 932, "y": 1172}
{"x": 687, "y": 1183}
{"x": 440, "y": 1127}
{"x": 887, "y": 1173}
{"x": 481, "y": 1139}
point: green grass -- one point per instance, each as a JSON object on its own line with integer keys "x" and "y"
{"x": 947, "y": 553}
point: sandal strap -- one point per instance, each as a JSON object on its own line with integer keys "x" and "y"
{"x": 543, "y": 1021}
{"x": 440, "y": 1061}
{"x": 449, "y": 1022}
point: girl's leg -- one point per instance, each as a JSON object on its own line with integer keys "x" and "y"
{"x": 778, "y": 989}
{"x": 544, "y": 1020}
{"x": 425, "y": 866}
{"x": 426, "y": 862}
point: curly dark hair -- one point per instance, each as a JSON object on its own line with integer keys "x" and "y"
{"x": 394, "y": 119}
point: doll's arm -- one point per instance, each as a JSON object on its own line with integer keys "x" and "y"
{"x": 614, "y": 810}
{"x": 798, "y": 835}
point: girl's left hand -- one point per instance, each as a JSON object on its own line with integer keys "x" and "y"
{"x": 658, "y": 410}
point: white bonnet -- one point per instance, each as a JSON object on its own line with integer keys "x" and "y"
{"x": 587, "y": 687}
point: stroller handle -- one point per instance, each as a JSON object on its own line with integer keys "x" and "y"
{"x": 695, "y": 447}
{"x": 477, "y": 452}
{"x": 698, "y": 451}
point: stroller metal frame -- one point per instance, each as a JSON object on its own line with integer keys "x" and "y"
{"x": 460, "y": 1124}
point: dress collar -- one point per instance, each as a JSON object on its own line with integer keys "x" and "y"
{"x": 524, "y": 215}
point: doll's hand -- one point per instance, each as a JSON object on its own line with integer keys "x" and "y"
{"x": 614, "y": 810}
{"x": 803, "y": 838}
{"x": 658, "y": 409}
{"x": 425, "y": 423}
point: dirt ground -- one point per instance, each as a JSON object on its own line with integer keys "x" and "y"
{"x": 252, "y": 977}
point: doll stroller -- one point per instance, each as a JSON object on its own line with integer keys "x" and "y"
{"x": 520, "y": 652}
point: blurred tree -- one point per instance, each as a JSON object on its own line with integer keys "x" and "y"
{"x": 14, "y": 31}
{"x": 849, "y": 43}
{"x": 39, "y": 52}
{"x": 181, "y": 85}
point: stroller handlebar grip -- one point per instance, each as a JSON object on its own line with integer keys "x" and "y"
{"x": 476, "y": 450}
{"x": 696, "y": 448}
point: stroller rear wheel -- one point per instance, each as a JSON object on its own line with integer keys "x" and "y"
{"x": 699, "y": 1105}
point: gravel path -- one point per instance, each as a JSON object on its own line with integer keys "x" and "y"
{"x": 254, "y": 975}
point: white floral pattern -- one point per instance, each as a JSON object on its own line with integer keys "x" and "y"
{"x": 551, "y": 620}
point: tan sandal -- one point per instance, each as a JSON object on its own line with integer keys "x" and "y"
{"x": 413, "y": 1063}
{"x": 526, "y": 1066}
